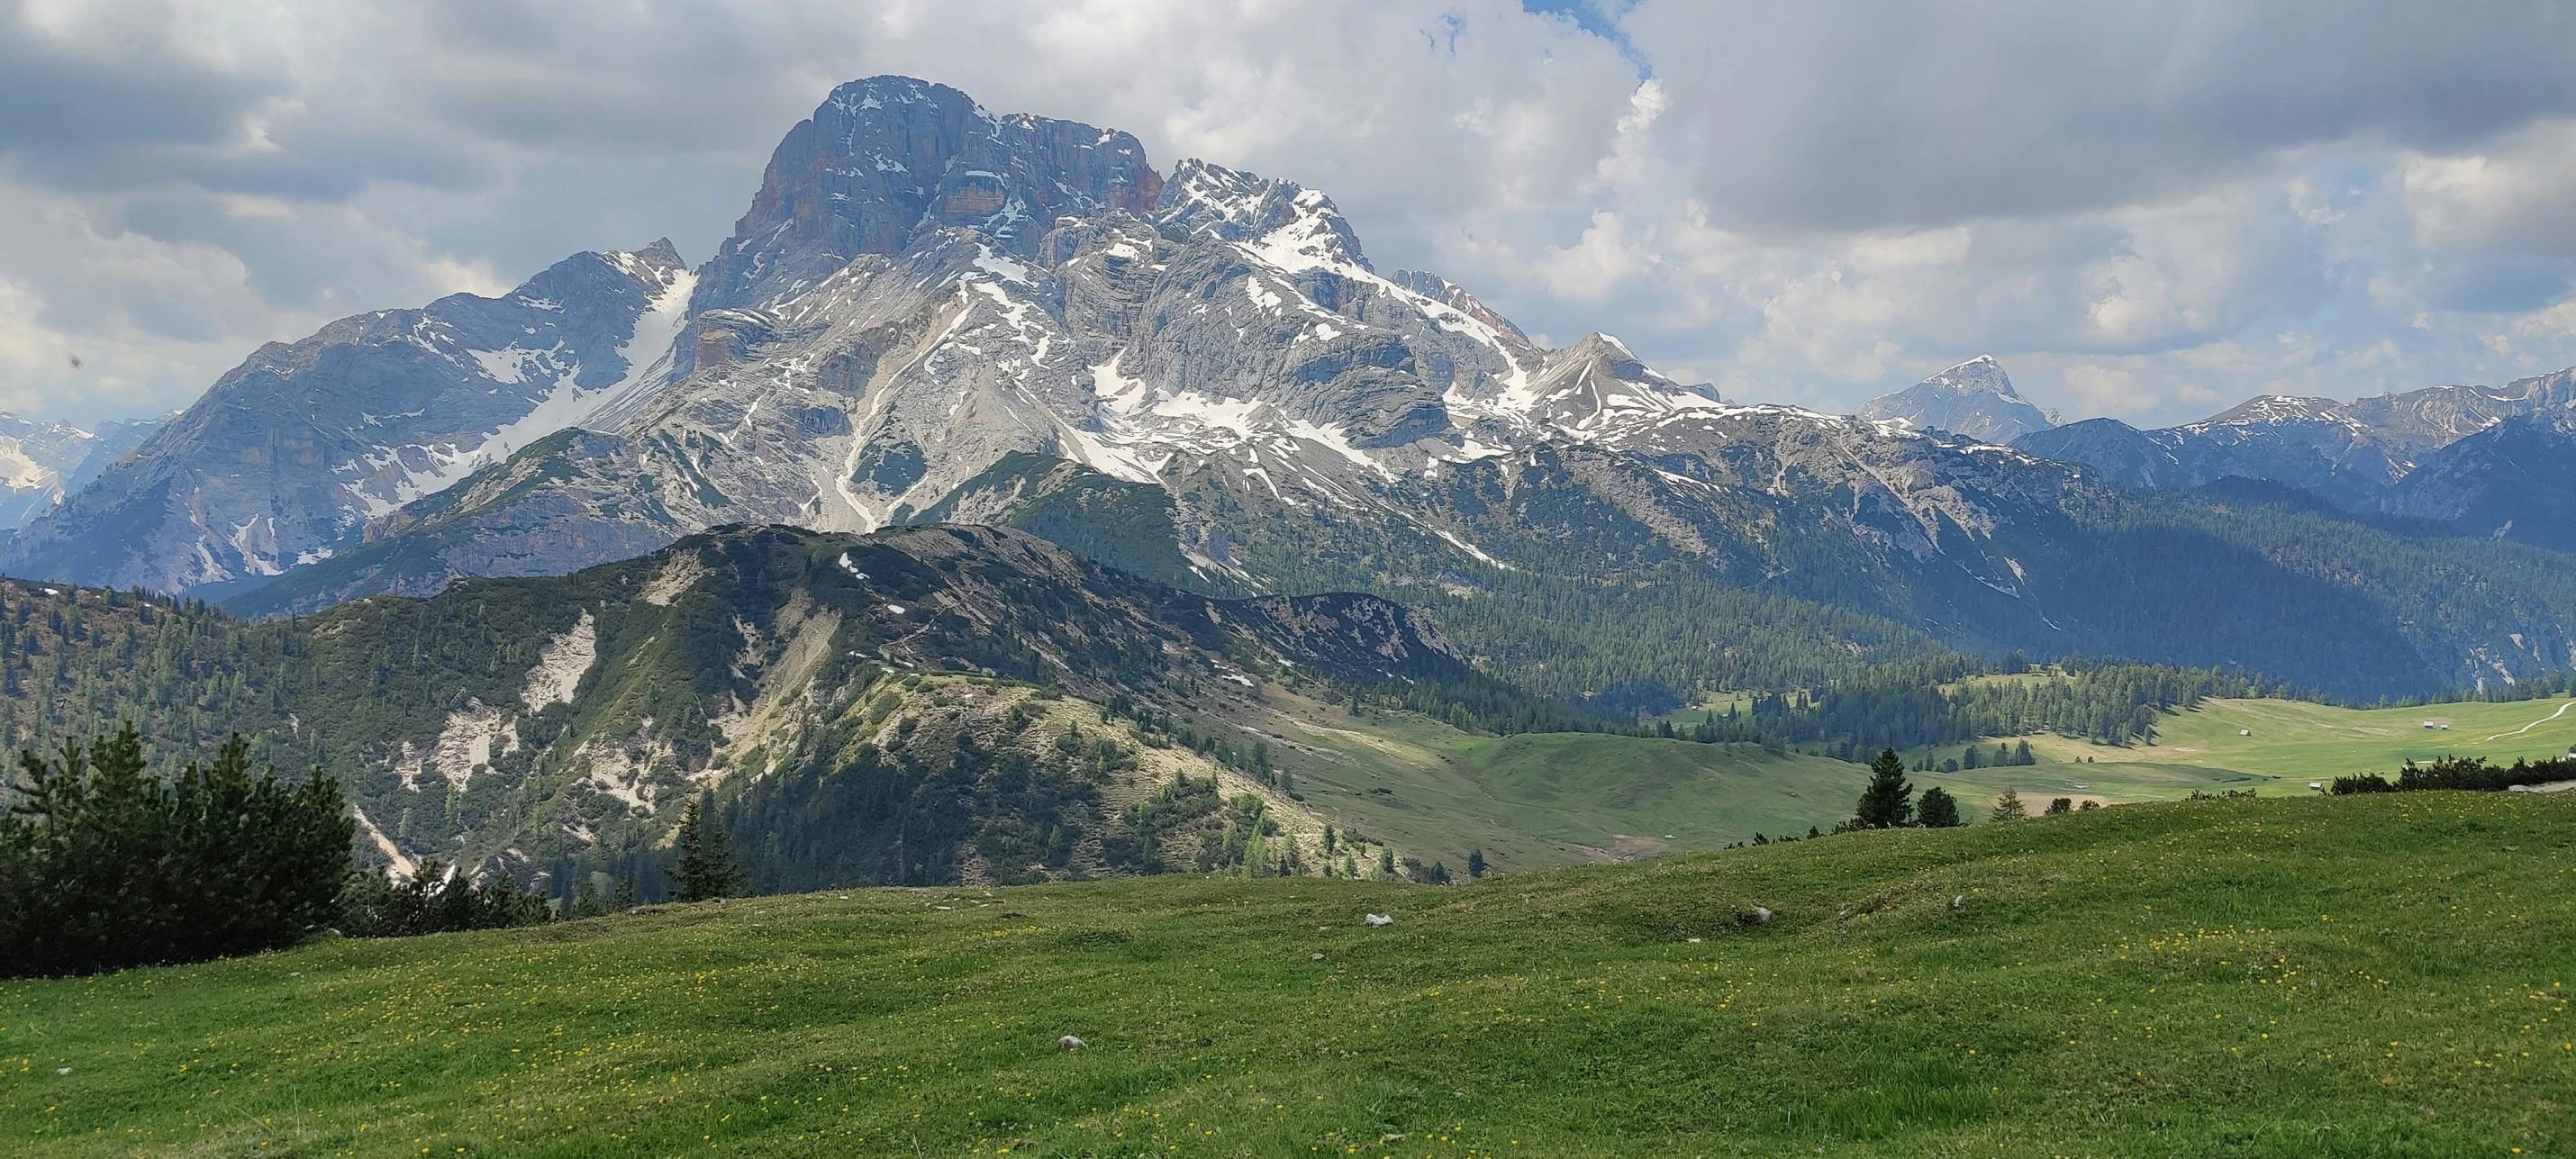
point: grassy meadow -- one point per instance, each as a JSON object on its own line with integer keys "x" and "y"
{"x": 1548, "y": 800}
{"x": 2376, "y": 976}
{"x": 2272, "y": 747}
{"x": 1543, "y": 800}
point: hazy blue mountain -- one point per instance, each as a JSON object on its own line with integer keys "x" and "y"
{"x": 2360, "y": 456}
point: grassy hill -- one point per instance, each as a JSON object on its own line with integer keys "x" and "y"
{"x": 1543, "y": 800}
{"x": 2273, "y": 747}
{"x": 2351, "y": 976}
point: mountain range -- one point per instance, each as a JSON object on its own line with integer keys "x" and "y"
{"x": 932, "y": 312}
{"x": 2479, "y": 461}
{"x": 42, "y": 462}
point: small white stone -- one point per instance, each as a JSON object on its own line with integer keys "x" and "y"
{"x": 1069, "y": 1042}
{"x": 1380, "y": 920}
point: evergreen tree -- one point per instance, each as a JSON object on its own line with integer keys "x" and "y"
{"x": 2007, "y": 808}
{"x": 2021, "y": 754}
{"x": 1938, "y": 809}
{"x": 1969, "y": 759}
{"x": 707, "y": 870}
{"x": 102, "y": 866}
{"x": 1889, "y": 800}
{"x": 2003, "y": 756}
{"x": 1475, "y": 863}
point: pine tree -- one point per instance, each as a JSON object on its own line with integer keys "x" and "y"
{"x": 2021, "y": 754}
{"x": 707, "y": 870}
{"x": 1888, "y": 802}
{"x": 1938, "y": 810}
{"x": 2007, "y": 808}
{"x": 103, "y": 866}
{"x": 1475, "y": 863}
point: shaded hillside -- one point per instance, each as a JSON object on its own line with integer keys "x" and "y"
{"x": 552, "y": 722}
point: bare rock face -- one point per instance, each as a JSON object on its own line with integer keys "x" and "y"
{"x": 1975, "y": 398}
{"x": 886, "y": 158}
{"x": 286, "y": 457}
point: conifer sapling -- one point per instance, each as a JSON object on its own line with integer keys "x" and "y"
{"x": 1888, "y": 802}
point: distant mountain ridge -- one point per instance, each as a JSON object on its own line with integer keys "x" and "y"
{"x": 1975, "y": 398}
{"x": 287, "y": 456}
{"x": 2463, "y": 456}
{"x": 41, "y": 462}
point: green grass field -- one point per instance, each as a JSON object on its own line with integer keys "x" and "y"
{"x": 2273, "y": 747}
{"x": 2381, "y": 976}
{"x": 1543, "y": 800}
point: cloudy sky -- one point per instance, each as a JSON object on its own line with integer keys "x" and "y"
{"x": 2147, "y": 211}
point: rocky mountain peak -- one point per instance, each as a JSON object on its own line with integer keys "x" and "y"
{"x": 1981, "y": 374}
{"x": 1286, "y": 224}
{"x": 367, "y": 414}
{"x": 1974, "y": 398}
{"x": 1448, "y": 293}
{"x": 2274, "y": 410}
{"x": 885, "y": 158}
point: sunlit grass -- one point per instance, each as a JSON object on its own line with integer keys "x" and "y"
{"x": 2354, "y": 976}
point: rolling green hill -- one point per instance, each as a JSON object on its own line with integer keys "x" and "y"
{"x": 2273, "y": 747}
{"x": 1540, "y": 800}
{"x": 2350, "y": 976}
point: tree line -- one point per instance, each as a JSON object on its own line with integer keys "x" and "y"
{"x": 2464, "y": 774}
{"x": 105, "y": 865}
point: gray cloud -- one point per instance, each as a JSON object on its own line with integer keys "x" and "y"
{"x": 1861, "y": 115}
{"x": 2146, "y": 210}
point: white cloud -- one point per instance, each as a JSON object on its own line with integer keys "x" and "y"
{"x": 1811, "y": 202}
